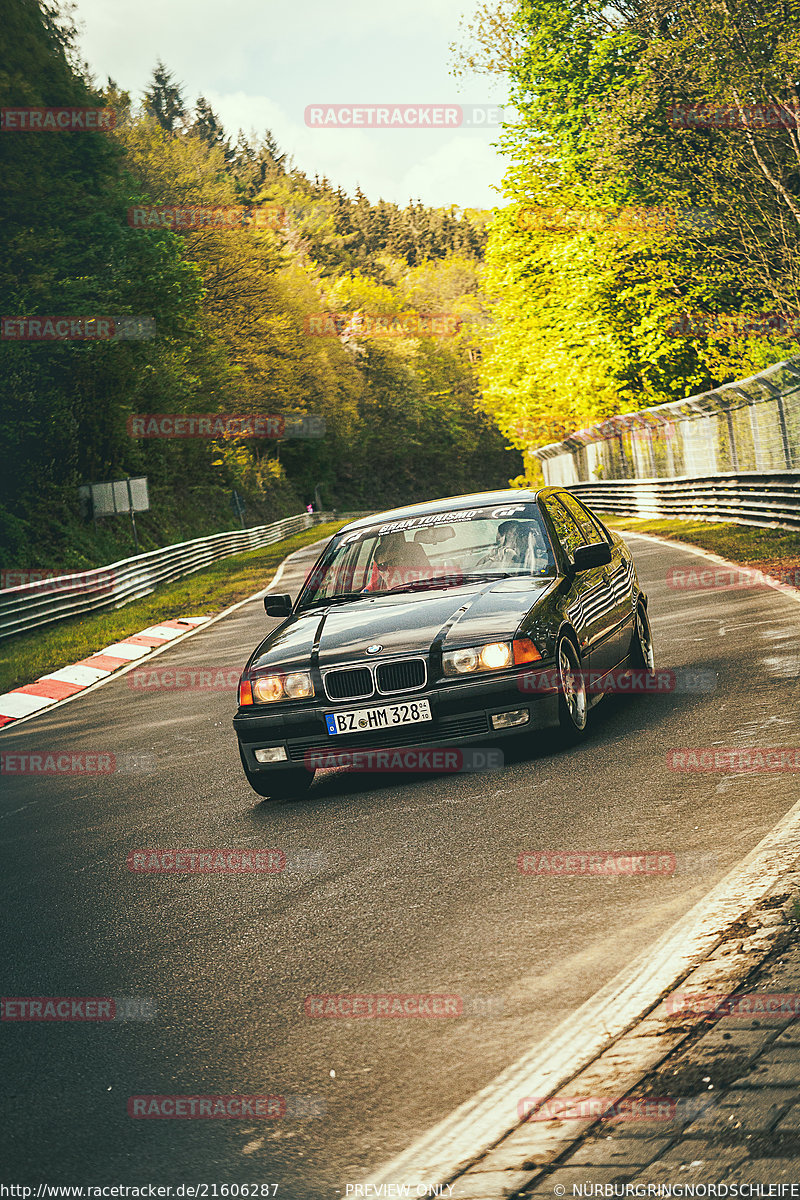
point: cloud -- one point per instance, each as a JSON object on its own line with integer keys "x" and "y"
{"x": 260, "y": 63}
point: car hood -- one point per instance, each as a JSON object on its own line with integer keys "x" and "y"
{"x": 402, "y": 624}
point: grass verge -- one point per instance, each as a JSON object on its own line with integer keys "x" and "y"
{"x": 26, "y": 657}
{"x": 776, "y": 552}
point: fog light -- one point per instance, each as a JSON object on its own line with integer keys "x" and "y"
{"x": 520, "y": 716}
{"x": 271, "y": 754}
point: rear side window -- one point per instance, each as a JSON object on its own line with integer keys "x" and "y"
{"x": 592, "y": 529}
{"x": 567, "y": 530}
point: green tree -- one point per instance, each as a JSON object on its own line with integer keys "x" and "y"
{"x": 164, "y": 99}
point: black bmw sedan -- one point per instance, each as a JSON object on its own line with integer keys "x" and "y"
{"x": 444, "y": 624}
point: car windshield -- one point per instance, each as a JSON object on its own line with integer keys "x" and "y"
{"x": 439, "y": 550}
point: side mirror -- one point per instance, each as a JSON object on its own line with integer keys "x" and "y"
{"x": 595, "y": 555}
{"x": 278, "y": 605}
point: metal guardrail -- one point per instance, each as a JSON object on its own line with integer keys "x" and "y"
{"x": 32, "y": 605}
{"x": 749, "y": 498}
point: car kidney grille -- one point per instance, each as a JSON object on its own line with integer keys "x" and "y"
{"x": 350, "y": 684}
{"x": 401, "y": 676}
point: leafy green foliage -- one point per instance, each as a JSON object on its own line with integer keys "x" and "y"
{"x": 230, "y": 304}
{"x": 584, "y": 315}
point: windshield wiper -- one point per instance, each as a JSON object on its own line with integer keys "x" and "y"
{"x": 454, "y": 580}
{"x": 414, "y": 585}
{"x": 474, "y": 576}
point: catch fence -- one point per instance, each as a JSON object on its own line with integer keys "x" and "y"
{"x": 731, "y": 454}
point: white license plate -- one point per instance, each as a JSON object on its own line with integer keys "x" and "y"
{"x": 388, "y": 716}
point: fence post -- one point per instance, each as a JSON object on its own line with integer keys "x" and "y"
{"x": 787, "y": 451}
{"x": 732, "y": 440}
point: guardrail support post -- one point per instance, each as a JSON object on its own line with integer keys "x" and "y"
{"x": 787, "y": 452}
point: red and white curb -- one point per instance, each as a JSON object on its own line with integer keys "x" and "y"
{"x": 59, "y": 685}
{"x": 25, "y": 703}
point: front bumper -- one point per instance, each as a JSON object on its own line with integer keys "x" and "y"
{"x": 461, "y": 711}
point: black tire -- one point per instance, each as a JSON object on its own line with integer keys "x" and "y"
{"x": 573, "y": 705}
{"x": 641, "y": 654}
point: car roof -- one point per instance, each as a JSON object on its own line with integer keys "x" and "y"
{"x": 452, "y": 504}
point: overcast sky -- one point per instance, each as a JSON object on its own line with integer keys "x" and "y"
{"x": 261, "y": 62}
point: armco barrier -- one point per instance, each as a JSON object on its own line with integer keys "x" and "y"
{"x": 752, "y": 498}
{"x": 54, "y": 599}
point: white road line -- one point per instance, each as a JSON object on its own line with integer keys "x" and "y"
{"x": 129, "y": 650}
{"x": 488, "y": 1116}
{"x": 175, "y": 635}
{"x": 786, "y": 589}
{"x": 20, "y": 704}
{"x": 79, "y": 675}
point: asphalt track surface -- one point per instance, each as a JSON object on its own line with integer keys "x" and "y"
{"x": 408, "y": 885}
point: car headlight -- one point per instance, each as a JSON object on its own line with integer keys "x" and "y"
{"x": 295, "y": 686}
{"x": 298, "y": 686}
{"x": 491, "y": 657}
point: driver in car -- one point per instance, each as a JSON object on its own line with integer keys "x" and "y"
{"x": 396, "y": 562}
{"x": 519, "y": 546}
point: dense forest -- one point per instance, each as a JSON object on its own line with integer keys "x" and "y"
{"x": 653, "y": 174}
{"x": 229, "y": 301}
{"x": 647, "y": 249}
